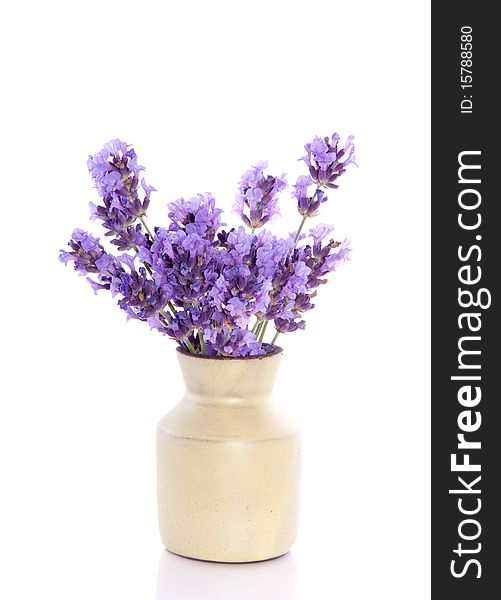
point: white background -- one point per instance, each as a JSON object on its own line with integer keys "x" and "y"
{"x": 203, "y": 90}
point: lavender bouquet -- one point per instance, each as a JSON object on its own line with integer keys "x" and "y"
{"x": 212, "y": 290}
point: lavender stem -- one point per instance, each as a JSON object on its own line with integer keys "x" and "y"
{"x": 202, "y": 342}
{"x": 263, "y": 331}
{"x": 275, "y": 338}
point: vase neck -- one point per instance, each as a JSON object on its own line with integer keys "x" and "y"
{"x": 229, "y": 382}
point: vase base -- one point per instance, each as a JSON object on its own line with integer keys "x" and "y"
{"x": 227, "y": 562}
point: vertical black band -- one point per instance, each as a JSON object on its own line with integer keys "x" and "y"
{"x": 466, "y": 268}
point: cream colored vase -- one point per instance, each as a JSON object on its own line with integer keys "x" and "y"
{"x": 228, "y": 464}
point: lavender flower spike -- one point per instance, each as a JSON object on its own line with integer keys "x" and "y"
{"x": 116, "y": 173}
{"x": 86, "y": 252}
{"x": 324, "y": 159}
{"x": 198, "y": 215}
{"x": 257, "y": 201}
{"x": 90, "y": 258}
{"x": 307, "y": 204}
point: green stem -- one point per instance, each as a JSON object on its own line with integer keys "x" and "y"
{"x": 275, "y": 338}
{"x": 298, "y": 232}
{"x": 255, "y": 325}
{"x": 167, "y": 317}
{"x": 263, "y": 331}
{"x": 163, "y": 320}
{"x": 202, "y": 342}
{"x": 258, "y": 329}
{"x": 305, "y": 216}
{"x": 147, "y": 228}
{"x": 189, "y": 345}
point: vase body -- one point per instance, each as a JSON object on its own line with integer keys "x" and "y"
{"x": 228, "y": 464}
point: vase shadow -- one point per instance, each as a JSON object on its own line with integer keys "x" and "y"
{"x": 186, "y": 579}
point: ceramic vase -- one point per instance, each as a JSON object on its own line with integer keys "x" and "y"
{"x": 228, "y": 463}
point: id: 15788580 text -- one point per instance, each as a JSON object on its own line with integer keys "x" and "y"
{"x": 466, "y": 65}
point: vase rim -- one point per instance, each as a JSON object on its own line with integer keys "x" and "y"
{"x": 278, "y": 350}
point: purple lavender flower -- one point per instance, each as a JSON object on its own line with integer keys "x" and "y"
{"x": 115, "y": 169}
{"x": 85, "y": 252}
{"x": 186, "y": 262}
{"x": 232, "y": 342}
{"x": 320, "y": 232}
{"x": 302, "y": 303}
{"x": 201, "y": 285}
{"x": 131, "y": 237}
{"x": 324, "y": 258}
{"x": 288, "y": 325}
{"x": 324, "y": 159}
{"x": 290, "y": 279}
{"x": 89, "y": 257}
{"x": 187, "y": 326}
{"x": 191, "y": 319}
{"x": 257, "y": 200}
{"x": 246, "y": 271}
{"x": 197, "y": 215}
{"x": 271, "y": 252}
{"x": 116, "y": 174}
{"x": 140, "y": 298}
{"x": 307, "y": 203}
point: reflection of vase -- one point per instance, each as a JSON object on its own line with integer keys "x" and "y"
{"x": 181, "y": 579}
{"x": 228, "y": 463}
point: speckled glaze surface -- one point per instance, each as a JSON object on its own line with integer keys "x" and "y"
{"x": 228, "y": 464}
